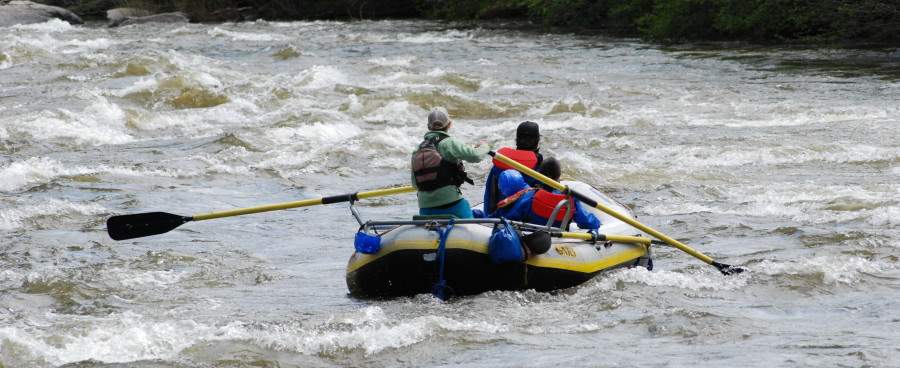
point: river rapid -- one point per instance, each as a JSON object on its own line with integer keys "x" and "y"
{"x": 784, "y": 160}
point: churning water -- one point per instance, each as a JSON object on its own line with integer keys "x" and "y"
{"x": 784, "y": 160}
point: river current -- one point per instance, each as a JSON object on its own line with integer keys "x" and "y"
{"x": 783, "y": 160}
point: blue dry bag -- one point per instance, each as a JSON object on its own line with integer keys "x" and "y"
{"x": 366, "y": 243}
{"x": 505, "y": 245}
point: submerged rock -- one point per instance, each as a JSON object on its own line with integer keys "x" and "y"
{"x": 27, "y": 12}
{"x": 117, "y": 15}
{"x": 176, "y": 17}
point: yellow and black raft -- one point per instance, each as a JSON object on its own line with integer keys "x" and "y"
{"x": 448, "y": 257}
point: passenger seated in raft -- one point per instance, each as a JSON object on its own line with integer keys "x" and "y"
{"x": 512, "y": 186}
{"x": 510, "y": 182}
{"x": 527, "y": 152}
{"x": 536, "y": 206}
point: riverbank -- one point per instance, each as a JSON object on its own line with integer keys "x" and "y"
{"x": 658, "y": 20}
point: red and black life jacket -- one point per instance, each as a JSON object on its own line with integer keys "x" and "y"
{"x": 432, "y": 171}
{"x": 544, "y": 202}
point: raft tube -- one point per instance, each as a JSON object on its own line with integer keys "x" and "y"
{"x": 407, "y": 262}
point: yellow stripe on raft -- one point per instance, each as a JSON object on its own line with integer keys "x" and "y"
{"x": 588, "y": 267}
{"x": 479, "y": 247}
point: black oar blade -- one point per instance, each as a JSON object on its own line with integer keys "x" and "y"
{"x": 143, "y": 224}
{"x": 728, "y": 269}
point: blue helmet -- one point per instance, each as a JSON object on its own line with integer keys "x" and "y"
{"x": 511, "y": 182}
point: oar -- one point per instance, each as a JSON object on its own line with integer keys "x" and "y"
{"x": 604, "y": 237}
{"x": 152, "y": 223}
{"x": 724, "y": 268}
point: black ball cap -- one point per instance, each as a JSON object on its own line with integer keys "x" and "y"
{"x": 528, "y": 129}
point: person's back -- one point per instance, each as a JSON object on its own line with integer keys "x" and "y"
{"x": 536, "y": 207}
{"x": 512, "y": 186}
{"x": 438, "y": 174}
{"x": 527, "y": 153}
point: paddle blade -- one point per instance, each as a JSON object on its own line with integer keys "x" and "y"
{"x": 728, "y": 269}
{"x": 143, "y": 224}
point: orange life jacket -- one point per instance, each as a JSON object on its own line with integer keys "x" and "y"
{"x": 544, "y": 202}
{"x": 527, "y": 158}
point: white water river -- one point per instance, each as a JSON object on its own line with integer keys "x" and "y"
{"x": 784, "y": 160}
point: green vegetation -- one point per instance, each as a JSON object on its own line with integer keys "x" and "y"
{"x": 662, "y": 20}
{"x": 679, "y": 20}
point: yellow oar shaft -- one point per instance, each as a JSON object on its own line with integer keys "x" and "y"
{"x": 603, "y": 237}
{"x": 305, "y": 203}
{"x": 586, "y": 200}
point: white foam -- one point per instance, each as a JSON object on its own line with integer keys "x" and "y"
{"x": 680, "y": 208}
{"x": 6, "y": 61}
{"x": 144, "y": 84}
{"x": 790, "y": 113}
{"x": 320, "y": 77}
{"x": 369, "y": 330}
{"x": 318, "y": 131}
{"x": 435, "y": 37}
{"x": 100, "y": 123}
{"x": 15, "y": 217}
{"x": 118, "y": 338}
{"x": 399, "y": 112}
{"x": 78, "y": 46}
{"x": 131, "y": 278}
{"x": 704, "y": 280}
{"x": 7, "y": 275}
{"x": 183, "y": 30}
{"x": 229, "y": 161}
{"x": 486, "y": 62}
{"x": 52, "y": 25}
{"x": 34, "y": 170}
{"x": 129, "y": 337}
{"x": 39, "y": 170}
{"x": 398, "y": 139}
{"x": 246, "y": 36}
{"x": 887, "y": 216}
{"x": 711, "y": 156}
{"x": 404, "y": 61}
{"x": 808, "y": 203}
{"x": 43, "y": 37}
{"x": 436, "y": 73}
{"x": 834, "y": 269}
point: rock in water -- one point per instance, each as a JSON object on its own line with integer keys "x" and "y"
{"x": 27, "y": 12}
{"x": 117, "y": 15}
{"x": 177, "y": 17}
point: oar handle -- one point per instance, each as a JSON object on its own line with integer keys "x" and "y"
{"x": 305, "y": 203}
{"x": 591, "y": 202}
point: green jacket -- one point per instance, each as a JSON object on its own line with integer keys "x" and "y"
{"x": 452, "y": 150}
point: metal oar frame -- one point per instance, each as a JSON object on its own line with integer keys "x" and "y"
{"x": 592, "y": 237}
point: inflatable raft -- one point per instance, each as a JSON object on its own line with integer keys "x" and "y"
{"x": 411, "y": 259}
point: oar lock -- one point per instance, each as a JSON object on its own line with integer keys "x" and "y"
{"x": 432, "y": 226}
{"x": 600, "y": 246}
{"x": 606, "y": 243}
